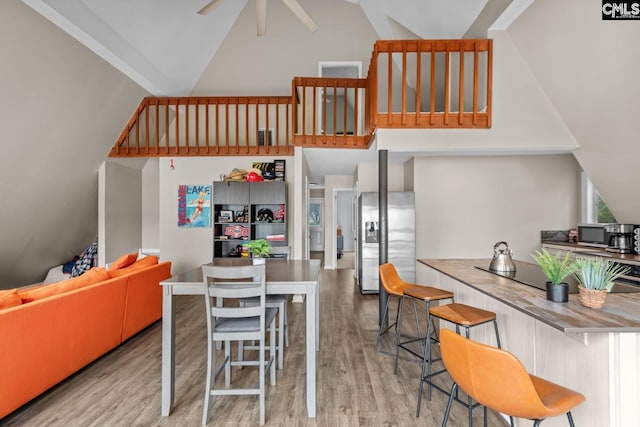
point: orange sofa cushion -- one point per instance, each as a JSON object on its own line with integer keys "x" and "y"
{"x": 145, "y": 262}
{"x": 9, "y": 299}
{"x": 124, "y": 261}
{"x": 47, "y": 340}
{"x": 95, "y": 275}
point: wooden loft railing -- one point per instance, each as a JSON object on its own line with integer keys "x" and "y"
{"x": 436, "y": 77}
{"x": 410, "y": 84}
{"x": 330, "y": 112}
{"x": 207, "y": 126}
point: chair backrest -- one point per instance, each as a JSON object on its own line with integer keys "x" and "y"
{"x": 281, "y": 252}
{"x": 390, "y": 279}
{"x": 492, "y": 376}
{"x": 234, "y": 282}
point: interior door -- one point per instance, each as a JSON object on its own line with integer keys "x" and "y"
{"x": 316, "y": 224}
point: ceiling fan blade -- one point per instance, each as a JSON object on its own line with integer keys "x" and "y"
{"x": 209, "y": 7}
{"x": 261, "y": 8}
{"x": 301, "y": 14}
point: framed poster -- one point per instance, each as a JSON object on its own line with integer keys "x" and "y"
{"x": 194, "y": 206}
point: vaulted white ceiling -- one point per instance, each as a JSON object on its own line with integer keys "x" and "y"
{"x": 165, "y": 46}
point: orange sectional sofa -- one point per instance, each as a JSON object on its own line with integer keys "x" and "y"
{"x": 48, "y": 332}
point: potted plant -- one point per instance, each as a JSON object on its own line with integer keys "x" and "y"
{"x": 595, "y": 279}
{"x": 556, "y": 269}
{"x": 258, "y": 248}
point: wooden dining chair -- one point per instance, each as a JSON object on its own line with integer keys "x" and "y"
{"x": 497, "y": 379}
{"x": 233, "y": 323}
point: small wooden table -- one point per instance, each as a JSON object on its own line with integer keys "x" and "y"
{"x": 282, "y": 277}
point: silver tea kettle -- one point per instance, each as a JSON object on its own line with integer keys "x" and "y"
{"x": 502, "y": 261}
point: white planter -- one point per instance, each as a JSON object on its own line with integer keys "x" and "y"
{"x": 258, "y": 261}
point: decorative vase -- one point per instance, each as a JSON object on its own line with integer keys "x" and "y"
{"x": 592, "y": 298}
{"x": 557, "y": 293}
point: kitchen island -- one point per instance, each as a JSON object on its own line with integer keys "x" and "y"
{"x": 596, "y": 352}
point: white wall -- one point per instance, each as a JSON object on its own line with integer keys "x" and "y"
{"x": 188, "y": 248}
{"x": 464, "y": 205}
{"x": 61, "y": 109}
{"x": 298, "y": 199}
{"x": 589, "y": 70}
{"x": 123, "y": 210}
{"x": 367, "y": 177}
{"x": 246, "y": 64}
{"x": 150, "y": 203}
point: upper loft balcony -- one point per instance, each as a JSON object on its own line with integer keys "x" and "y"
{"x": 410, "y": 84}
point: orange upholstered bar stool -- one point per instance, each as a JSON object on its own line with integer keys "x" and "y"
{"x": 497, "y": 379}
{"x": 461, "y": 315}
{"x": 395, "y": 286}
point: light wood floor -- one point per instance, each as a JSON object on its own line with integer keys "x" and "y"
{"x": 355, "y": 384}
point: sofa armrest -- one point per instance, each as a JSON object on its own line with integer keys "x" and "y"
{"x": 143, "y": 304}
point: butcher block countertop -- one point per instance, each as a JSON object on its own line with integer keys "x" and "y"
{"x": 621, "y": 312}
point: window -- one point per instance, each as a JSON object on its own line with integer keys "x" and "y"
{"x": 594, "y": 208}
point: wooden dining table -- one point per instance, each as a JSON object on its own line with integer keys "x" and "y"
{"x": 295, "y": 277}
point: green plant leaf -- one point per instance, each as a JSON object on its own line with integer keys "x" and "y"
{"x": 554, "y": 267}
{"x": 258, "y": 248}
{"x": 598, "y": 273}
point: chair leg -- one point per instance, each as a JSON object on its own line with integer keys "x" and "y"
{"x": 426, "y": 361}
{"x": 470, "y": 407}
{"x": 286, "y": 325}
{"x": 261, "y": 366}
{"x": 385, "y": 316}
{"x": 398, "y": 332}
{"x": 428, "y": 352}
{"x": 454, "y": 387}
{"x": 570, "y": 419}
{"x": 272, "y": 344}
{"x": 227, "y": 366}
{"x": 211, "y": 363}
{"x": 415, "y": 314}
{"x": 495, "y": 325}
{"x": 536, "y": 423}
{"x": 485, "y": 416}
{"x": 240, "y": 352}
{"x": 280, "y": 333}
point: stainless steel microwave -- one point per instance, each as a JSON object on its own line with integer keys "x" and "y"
{"x": 597, "y": 235}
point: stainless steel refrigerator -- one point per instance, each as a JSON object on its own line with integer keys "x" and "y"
{"x": 402, "y": 238}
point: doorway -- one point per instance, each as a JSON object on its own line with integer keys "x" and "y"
{"x": 316, "y": 225}
{"x": 343, "y": 223}
{"x": 329, "y": 97}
